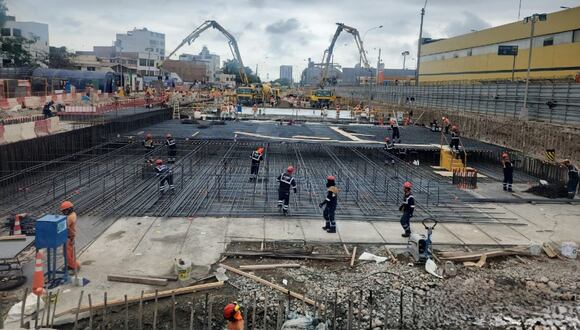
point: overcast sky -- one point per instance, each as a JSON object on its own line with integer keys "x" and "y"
{"x": 275, "y": 32}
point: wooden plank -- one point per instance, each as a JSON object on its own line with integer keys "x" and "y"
{"x": 492, "y": 254}
{"x": 269, "y": 266}
{"x": 353, "y": 257}
{"x": 549, "y": 250}
{"x": 13, "y": 238}
{"x": 137, "y": 279}
{"x": 270, "y": 284}
{"x": 276, "y": 255}
{"x": 147, "y": 297}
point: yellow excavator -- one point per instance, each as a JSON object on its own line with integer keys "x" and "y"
{"x": 245, "y": 94}
{"x": 322, "y": 96}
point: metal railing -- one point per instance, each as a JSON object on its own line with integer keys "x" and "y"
{"x": 548, "y": 102}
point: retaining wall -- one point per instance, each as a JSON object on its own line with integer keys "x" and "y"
{"x": 28, "y": 130}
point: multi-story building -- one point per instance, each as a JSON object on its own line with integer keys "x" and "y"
{"x": 149, "y": 45}
{"x": 286, "y": 72}
{"x": 212, "y": 62}
{"x": 38, "y": 32}
{"x": 474, "y": 56}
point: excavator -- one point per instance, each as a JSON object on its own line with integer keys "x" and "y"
{"x": 322, "y": 97}
{"x": 246, "y": 93}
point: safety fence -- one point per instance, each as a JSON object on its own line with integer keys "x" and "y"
{"x": 548, "y": 102}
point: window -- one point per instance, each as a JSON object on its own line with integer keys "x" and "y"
{"x": 576, "y": 37}
{"x": 469, "y": 52}
{"x": 142, "y": 62}
{"x": 17, "y": 32}
{"x": 548, "y": 42}
{"x": 90, "y": 68}
{"x": 5, "y": 32}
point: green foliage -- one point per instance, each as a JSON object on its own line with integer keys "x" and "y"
{"x": 60, "y": 58}
{"x": 15, "y": 52}
{"x": 231, "y": 67}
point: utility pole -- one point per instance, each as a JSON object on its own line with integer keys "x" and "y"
{"x": 530, "y": 19}
{"x": 419, "y": 45}
{"x": 405, "y": 54}
{"x": 378, "y": 68}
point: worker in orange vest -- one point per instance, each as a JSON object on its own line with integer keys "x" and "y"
{"x": 67, "y": 208}
{"x": 234, "y": 317}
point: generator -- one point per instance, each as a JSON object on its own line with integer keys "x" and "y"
{"x": 419, "y": 245}
{"x": 52, "y": 234}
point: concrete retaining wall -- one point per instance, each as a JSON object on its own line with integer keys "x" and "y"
{"x": 29, "y": 130}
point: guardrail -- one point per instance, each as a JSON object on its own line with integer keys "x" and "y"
{"x": 547, "y": 102}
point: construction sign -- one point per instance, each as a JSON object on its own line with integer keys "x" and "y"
{"x": 551, "y": 155}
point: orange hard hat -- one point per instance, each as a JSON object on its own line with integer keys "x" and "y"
{"x": 290, "y": 169}
{"x": 66, "y": 205}
{"x": 149, "y": 136}
{"x": 260, "y": 150}
{"x": 232, "y": 312}
{"x": 505, "y": 155}
{"x": 408, "y": 185}
{"x": 168, "y": 135}
{"x": 330, "y": 178}
{"x": 159, "y": 162}
{"x": 387, "y": 139}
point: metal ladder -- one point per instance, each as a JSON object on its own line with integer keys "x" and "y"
{"x": 176, "y": 113}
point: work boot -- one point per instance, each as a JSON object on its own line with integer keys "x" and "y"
{"x": 331, "y": 230}
{"x": 510, "y": 190}
{"x": 504, "y": 188}
{"x": 406, "y": 234}
{"x": 285, "y": 212}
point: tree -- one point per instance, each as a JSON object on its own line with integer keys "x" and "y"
{"x": 14, "y": 52}
{"x": 60, "y": 58}
{"x": 283, "y": 81}
{"x": 231, "y": 67}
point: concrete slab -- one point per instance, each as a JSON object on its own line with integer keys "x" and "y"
{"x": 469, "y": 234}
{"x": 359, "y": 232}
{"x": 283, "y": 229}
{"x": 249, "y": 229}
{"x": 505, "y": 234}
{"x": 313, "y": 232}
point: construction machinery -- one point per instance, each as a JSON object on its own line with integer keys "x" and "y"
{"x": 244, "y": 94}
{"x": 419, "y": 245}
{"x": 322, "y": 97}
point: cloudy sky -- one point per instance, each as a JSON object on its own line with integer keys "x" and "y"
{"x": 275, "y": 32}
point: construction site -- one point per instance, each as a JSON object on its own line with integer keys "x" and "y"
{"x": 323, "y": 207}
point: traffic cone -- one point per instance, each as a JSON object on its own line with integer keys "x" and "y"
{"x": 38, "y": 277}
{"x": 17, "y": 230}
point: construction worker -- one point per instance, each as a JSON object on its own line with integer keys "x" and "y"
{"x": 508, "y": 172}
{"x": 171, "y": 148}
{"x": 389, "y": 149}
{"x": 287, "y": 181}
{"x": 67, "y": 208}
{"x": 148, "y": 142}
{"x": 435, "y": 126}
{"x": 396, "y": 136}
{"x": 573, "y": 178}
{"x": 330, "y": 202}
{"x": 257, "y": 156}
{"x": 337, "y": 111}
{"x": 255, "y": 110}
{"x": 166, "y": 175}
{"x": 407, "y": 208}
{"x": 233, "y": 315}
{"x": 454, "y": 145}
{"x": 447, "y": 124}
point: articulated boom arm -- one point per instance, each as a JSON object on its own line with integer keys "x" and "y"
{"x": 328, "y": 53}
{"x": 232, "y": 43}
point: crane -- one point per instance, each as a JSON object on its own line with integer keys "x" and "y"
{"x": 328, "y": 53}
{"x": 231, "y": 42}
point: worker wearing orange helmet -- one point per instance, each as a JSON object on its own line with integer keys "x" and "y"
{"x": 508, "y": 172}
{"x": 330, "y": 202}
{"x": 171, "y": 148}
{"x": 165, "y": 175}
{"x": 148, "y": 143}
{"x": 408, "y": 207}
{"x": 257, "y": 156}
{"x": 67, "y": 208}
{"x": 234, "y": 317}
{"x": 287, "y": 182}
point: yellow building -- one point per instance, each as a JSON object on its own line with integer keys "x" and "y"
{"x": 473, "y": 56}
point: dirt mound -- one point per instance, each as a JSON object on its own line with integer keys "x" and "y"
{"x": 549, "y": 191}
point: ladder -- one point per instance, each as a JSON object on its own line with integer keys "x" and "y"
{"x": 176, "y": 113}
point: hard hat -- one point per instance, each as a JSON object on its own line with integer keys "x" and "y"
{"x": 408, "y": 185}
{"x": 387, "y": 139}
{"x": 232, "y": 312}
{"x": 454, "y": 127}
{"x": 260, "y": 150}
{"x": 330, "y": 178}
{"x": 149, "y": 136}
{"x": 505, "y": 155}
{"x": 290, "y": 169}
{"x": 66, "y": 205}
{"x": 159, "y": 162}
{"x": 168, "y": 135}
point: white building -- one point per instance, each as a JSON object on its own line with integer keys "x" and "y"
{"x": 212, "y": 61}
{"x": 31, "y": 31}
{"x": 286, "y": 72}
{"x": 148, "y": 44}
{"x": 226, "y": 80}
